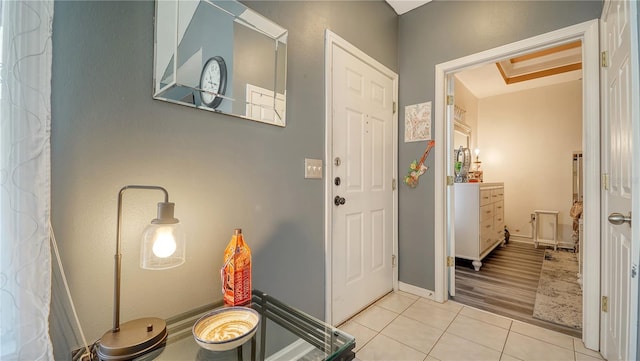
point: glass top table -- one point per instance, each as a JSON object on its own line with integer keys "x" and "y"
{"x": 284, "y": 333}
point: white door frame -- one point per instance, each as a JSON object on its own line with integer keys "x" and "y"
{"x": 332, "y": 39}
{"x": 588, "y": 33}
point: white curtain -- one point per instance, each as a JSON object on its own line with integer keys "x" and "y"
{"x": 25, "y": 124}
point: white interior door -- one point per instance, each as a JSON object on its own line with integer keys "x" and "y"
{"x": 362, "y": 190}
{"x": 617, "y": 160}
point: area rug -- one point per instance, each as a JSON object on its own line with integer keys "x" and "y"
{"x": 559, "y": 296}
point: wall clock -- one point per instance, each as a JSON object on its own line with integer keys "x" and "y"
{"x": 213, "y": 80}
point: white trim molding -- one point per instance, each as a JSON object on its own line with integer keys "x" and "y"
{"x": 587, "y": 32}
{"x": 417, "y": 291}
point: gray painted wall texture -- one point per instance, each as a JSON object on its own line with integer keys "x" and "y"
{"x": 222, "y": 172}
{"x": 435, "y": 33}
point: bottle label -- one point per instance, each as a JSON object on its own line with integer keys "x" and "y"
{"x": 236, "y": 273}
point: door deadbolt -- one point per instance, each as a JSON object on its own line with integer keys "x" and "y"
{"x": 339, "y": 201}
{"x": 337, "y": 161}
{"x": 337, "y": 181}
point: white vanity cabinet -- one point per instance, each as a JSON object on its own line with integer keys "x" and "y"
{"x": 479, "y": 220}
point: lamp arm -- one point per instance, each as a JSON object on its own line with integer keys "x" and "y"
{"x": 118, "y": 255}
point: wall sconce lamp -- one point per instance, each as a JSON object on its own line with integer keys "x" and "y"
{"x": 163, "y": 247}
{"x": 478, "y": 173}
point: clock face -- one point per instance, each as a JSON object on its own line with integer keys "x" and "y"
{"x": 213, "y": 81}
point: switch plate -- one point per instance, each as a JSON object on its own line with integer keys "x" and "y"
{"x": 313, "y": 168}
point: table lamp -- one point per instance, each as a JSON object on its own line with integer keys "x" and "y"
{"x": 163, "y": 247}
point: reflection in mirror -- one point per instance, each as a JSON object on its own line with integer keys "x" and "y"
{"x": 219, "y": 55}
{"x": 461, "y": 135}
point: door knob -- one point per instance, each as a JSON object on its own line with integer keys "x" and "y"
{"x": 619, "y": 218}
{"x": 339, "y": 200}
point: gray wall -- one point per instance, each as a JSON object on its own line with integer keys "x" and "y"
{"x": 222, "y": 172}
{"x": 438, "y": 32}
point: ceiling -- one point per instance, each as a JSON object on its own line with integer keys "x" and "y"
{"x": 403, "y": 6}
{"x": 553, "y": 65}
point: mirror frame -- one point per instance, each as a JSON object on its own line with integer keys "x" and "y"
{"x": 178, "y": 81}
{"x": 464, "y": 130}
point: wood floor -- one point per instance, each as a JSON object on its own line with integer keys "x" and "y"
{"x": 506, "y": 284}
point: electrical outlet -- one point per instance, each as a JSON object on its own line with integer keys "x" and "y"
{"x": 313, "y": 168}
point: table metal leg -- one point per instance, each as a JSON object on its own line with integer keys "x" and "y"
{"x": 253, "y": 348}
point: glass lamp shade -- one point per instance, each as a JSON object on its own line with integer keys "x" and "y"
{"x": 163, "y": 246}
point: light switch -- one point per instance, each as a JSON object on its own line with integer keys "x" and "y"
{"x": 313, "y": 168}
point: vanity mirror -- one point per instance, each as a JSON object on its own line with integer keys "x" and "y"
{"x": 462, "y": 155}
{"x": 461, "y": 135}
{"x": 221, "y": 56}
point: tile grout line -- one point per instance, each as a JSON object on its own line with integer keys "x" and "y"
{"x": 474, "y": 342}
{"x": 398, "y": 315}
{"x": 379, "y": 332}
{"x": 448, "y": 326}
{"x": 507, "y": 339}
{"x": 512, "y": 322}
{"x": 445, "y": 331}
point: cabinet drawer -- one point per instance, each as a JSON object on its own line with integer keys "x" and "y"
{"x": 498, "y": 229}
{"x": 486, "y": 212}
{"x": 498, "y": 209}
{"x": 486, "y": 228}
{"x": 497, "y": 194}
{"x": 498, "y": 216}
{"x": 485, "y": 196}
{"x": 486, "y": 242}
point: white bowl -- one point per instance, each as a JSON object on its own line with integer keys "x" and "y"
{"x": 226, "y": 328}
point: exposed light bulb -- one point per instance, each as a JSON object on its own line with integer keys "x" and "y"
{"x": 477, "y": 151}
{"x": 164, "y": 245}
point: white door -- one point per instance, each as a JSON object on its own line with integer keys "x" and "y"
{"x": 362, "y": 190}
{"x": 262, "y": 106}
{"x": 617, "y": 160}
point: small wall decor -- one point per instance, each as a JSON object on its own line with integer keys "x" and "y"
{"x": 417, "y": 122}
{"x": 459, "y": 114}
{"x": 416, "y": 169}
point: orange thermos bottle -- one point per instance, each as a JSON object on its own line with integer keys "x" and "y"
{"x": 236, "y": 271}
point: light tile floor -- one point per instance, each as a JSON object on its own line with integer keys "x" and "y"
{"x": 402, "y": 326}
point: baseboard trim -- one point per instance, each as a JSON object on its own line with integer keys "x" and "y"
{"x": 415, "y": 290}
{"x": 563, "y": 245}
{"x": 528, "y": 240}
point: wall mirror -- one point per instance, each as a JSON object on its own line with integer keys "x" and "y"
{"x": 220, "y": 56}
{"x": 461, "y": 135}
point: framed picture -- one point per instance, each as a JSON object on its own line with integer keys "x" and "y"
{"x": 417, "y": 122}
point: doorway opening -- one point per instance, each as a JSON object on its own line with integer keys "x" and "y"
{"x": 587, "y": 34}
{"x": 521, "y": 119}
